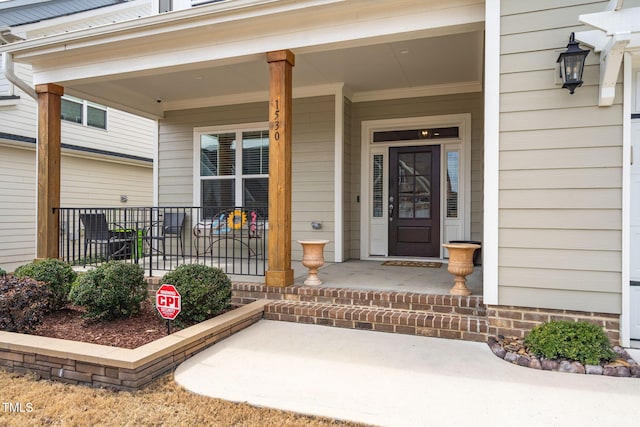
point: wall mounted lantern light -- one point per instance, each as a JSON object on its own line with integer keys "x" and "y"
{"x": 572, "y": 64}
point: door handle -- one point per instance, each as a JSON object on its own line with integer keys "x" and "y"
{"x": 390, "y": 212}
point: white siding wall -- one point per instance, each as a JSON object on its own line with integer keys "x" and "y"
{"x": 21, "y": 118}
{"x": 312, "y": 151}
{"x": 125, "y": 134}
{"x": 560, "y": 168}
{"x": 415, "y": 107}
{"x": 17, "y": 206}
{"x": 102, "y": 187}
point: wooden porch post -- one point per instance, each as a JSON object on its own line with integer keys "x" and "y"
{"x": 279, "y": 271}
{"x": 49, "y": 104}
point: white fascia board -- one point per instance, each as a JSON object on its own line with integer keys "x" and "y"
{"x": 169, "y": 22}
{"x": 193, "y": 47}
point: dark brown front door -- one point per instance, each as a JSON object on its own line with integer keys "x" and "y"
{"x": 414, "y": 201}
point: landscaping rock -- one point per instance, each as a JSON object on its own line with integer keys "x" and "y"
{"x": 535, "y": 363}
{"x": 622, "y": 371}
{"x": 593, "y": 369}
{"x": 511, "y": 357}
{"x": 512, "y": 350}
{"x": 566, "y": 366}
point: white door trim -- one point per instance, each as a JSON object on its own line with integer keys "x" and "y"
{"x": 462, "y": 121}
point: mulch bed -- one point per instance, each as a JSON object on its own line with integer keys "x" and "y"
{"x": 131, "y": 332}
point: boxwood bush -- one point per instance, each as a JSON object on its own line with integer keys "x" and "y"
{"x": 205, "y": 291}
{"x": 55, "y": 273}
{"x": 582, "y": 341}
{"x": 23, "y": 303}
{"x": 112, "y": 290}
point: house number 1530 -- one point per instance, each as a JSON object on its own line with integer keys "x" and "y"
{"x": 276, "y": 121}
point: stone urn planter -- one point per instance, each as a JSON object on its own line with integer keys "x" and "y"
{"x": 460, "y": 265}
{"x": 313, "y": 259}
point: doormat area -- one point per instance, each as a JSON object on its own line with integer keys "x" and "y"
{"x": 428, "y": 264}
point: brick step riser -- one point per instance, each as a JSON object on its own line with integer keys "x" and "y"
{"x": 470, "y": 328}
{"x": 445, "y": 304}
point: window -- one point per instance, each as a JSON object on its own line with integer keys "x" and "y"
{"x": 83, "y": 112}
{"x": 231, "y": 173}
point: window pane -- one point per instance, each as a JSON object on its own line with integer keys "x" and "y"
{"x": 217, "y": 154}
{"x": 71, "y": 111}
{"x": 452, "y": 184}
{"x": 255, "y": 153}
{"x": 378, "y": 185}
{"x": 255, "y": 192}
{"x": 96, "y": 117}
{"x": 216, "y": 194}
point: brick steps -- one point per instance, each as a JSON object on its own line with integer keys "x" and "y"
{"x": 444, "y": 316}
{"x": 411, "y": 322}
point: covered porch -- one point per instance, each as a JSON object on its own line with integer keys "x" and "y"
{"x": 374, "y": 132}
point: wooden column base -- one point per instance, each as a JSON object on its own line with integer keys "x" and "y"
{"x": 280, "y": 279}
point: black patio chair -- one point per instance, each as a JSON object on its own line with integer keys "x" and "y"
{"x": 100, "y": 240}
{"x": 171, "y": 226}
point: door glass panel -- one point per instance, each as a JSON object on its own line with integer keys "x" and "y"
{"x": 406, "y": 163}
{"x": 414, "y": 185}
{"x": 405, "y": 207}
{"x": 378, "y": 185}
{"x": 452, "y": 184}
{"x": 423, "y": 164}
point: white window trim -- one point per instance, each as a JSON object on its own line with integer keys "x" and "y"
{"x": 238, "y": 129}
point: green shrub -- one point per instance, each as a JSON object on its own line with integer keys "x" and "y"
{"x": 55, "y": 273}
{"x": 23, "y": 303}
{"x": 2, "y": 272}
{"x": 585, "y": 342}
{"x": 112, "y": 290}
{"x": 205, "y": 291}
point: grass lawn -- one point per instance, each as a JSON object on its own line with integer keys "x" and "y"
{"x": 163, "y": 403}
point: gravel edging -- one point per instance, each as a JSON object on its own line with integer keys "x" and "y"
{"x": 624, "y": 366}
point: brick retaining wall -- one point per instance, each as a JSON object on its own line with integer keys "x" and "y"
{"x": 113, "y": 367}
{"x": 512, "y": 321}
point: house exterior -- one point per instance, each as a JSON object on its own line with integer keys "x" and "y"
{"x": 404, "y": 124}
{"x": 107, "y": 154}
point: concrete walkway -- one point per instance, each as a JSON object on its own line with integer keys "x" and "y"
{"x": 400, "y": 380}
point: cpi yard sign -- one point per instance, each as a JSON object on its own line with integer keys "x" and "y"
{"x": 168, "y": 302}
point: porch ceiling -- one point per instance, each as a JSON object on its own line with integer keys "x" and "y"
{"x": 423, "y": 48}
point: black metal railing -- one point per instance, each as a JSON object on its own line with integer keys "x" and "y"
{"x": 162, "y": 238}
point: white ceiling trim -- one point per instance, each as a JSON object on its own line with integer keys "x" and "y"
{"x": 245, "y": 98}
{"x": 417, "y": 92}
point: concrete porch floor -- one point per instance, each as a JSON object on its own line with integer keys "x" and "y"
{"x": 372, "y": 275}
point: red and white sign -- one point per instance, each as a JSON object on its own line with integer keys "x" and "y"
{"x": 168, "y": 301}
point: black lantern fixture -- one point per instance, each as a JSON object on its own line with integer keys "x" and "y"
{"x": 572, "y": 64}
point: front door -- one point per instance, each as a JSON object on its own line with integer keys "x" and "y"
{"x": 414, "y": 201}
